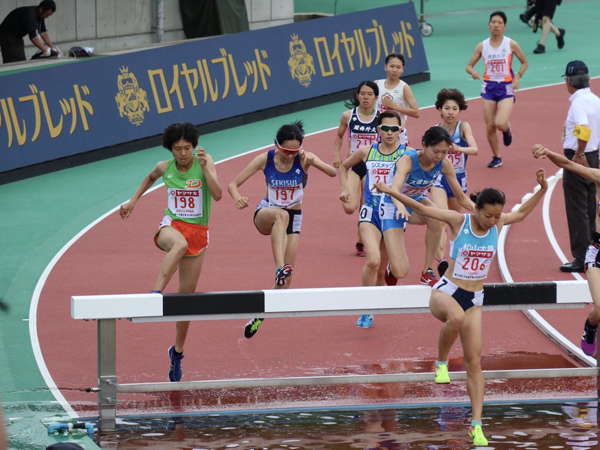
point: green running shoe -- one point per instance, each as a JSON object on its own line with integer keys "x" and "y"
{"x": 441, "y": 375}
{"x": 479, "y": 439}
{"x": 251, "y": 327}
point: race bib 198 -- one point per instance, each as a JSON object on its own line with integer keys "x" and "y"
{"x": 185, "y": 203}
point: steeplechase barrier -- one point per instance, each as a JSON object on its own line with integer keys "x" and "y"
{"x": 106, "y": 309}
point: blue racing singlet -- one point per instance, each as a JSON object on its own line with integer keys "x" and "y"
{"x": 418, "y": 180}
{"x": 284, "y": 189}
{"x": 458, "y": 159}
{"x": 473, "y": 254}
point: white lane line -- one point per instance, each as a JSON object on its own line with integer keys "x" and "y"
{"x": 532, "y": 314}
{"x": 548, "y": 224}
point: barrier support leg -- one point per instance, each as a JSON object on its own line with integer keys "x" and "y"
{"x": 107, "y": 373}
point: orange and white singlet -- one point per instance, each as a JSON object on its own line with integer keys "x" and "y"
{"x": 498, "y": 61}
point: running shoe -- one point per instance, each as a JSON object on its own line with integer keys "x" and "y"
{"x": 428, "y": 277}
{"x": 561, "y": 38}
{"x": 539, "y": 49}
{"x": 441, "y": 374}
{"x": 496, "y": 162}
{"x": 442, "y": 267}
{"x": 252, "y": 327}
{"x": 360, "y": 249}
{"x": 507, "y": 135}
{"x": 524, "y": 18}
{"x": 282, "y": 273}
{"x": 390, "y": 279}
{"x": 365, "y": 321}
{"x": 479, "y": 439}
{"x": 588, "y": 340}
{"x": 175, "y": 370}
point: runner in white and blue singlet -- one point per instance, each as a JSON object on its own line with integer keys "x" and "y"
{"x": 414, "y": 176}
{"x": 359, "y": 127}
{"x": 457, "y": 297}
{"x": 380, "y": 160}
{"x": 450, "y": 102}
{"x": 279, "y": 214}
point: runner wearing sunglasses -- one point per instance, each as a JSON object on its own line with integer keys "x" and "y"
{"x": 279, "y": 214}
{"x": 414, "y": 174}
{"x": 361, "y": 126}
{"x": 380, "y": 159}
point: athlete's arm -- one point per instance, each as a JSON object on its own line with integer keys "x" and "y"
{"x": 467, "y": 135}
{"x": 413, "y": 110}
{"x": 339, "y": 139}
{"x": 258, "y": 163}
{"x": 413, "y": 106}
{"x": 541, "y": 152}
{"x": 527, "y": 207}
{"x": 516, "y": 49}
{"x": 147, "y": 182}
{"x": 356, "y": 157}
{"x": 310, "y": 159}
{"x": 476, "y": 56}
{"x": 210, "y": 173}
{"x": 450, "y": 175}
{"x": 448, "y": 216}
{"x": 403, "y": 168}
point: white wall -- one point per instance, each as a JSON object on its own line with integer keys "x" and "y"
{"x": 269, "y": 13}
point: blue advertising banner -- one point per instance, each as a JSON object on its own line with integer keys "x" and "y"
{"x": 74, "y": 108}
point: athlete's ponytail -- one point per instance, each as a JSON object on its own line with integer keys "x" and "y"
{"x": 488, "y": 196}
{"x": 436, "y": 134}
{"x": 290, "y": 132}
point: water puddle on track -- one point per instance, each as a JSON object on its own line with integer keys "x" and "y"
{"x": 544, "y": 425}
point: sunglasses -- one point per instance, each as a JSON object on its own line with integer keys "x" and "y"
{"x": 392, "y": 128}
{"x": 288, "y": 151}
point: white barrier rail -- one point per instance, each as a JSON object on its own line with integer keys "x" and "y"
{"x": 297, "y": 303}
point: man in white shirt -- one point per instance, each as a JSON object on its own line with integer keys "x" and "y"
{"x": 581, "y": 137}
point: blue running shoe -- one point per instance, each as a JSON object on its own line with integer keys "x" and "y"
{"x": 365, "y": 321}
{"x": 175, "y": 370}
{"x": 507, "y": 135}
{"x": 496, "y": 162}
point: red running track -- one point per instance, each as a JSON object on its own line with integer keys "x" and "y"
{"x": 119, "y": 257}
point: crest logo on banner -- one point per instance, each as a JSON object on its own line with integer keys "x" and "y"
{"x": 131, "y": 99}
{"x": 301, "y": 63}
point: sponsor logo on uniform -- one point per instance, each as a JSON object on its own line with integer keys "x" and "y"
{"x": 477, "y": 253}
{"x": 132, "y": 100}
{"x": 193, "y": 184}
